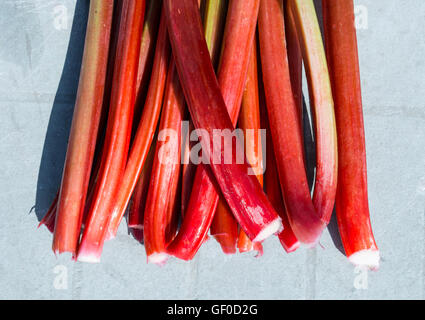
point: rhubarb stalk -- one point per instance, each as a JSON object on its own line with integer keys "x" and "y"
{"x": 85, "y": 124}
{"x": 118, "y": 131}
{"x": 352, "y": 208}
{"x": 207, "y": 107}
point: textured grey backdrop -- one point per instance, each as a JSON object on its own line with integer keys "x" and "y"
{"x": 40, "y": 57}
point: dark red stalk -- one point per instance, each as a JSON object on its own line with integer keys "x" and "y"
{"x": 188, "y": 170}
{"x": 145, "y": 132}
{"x": 237, "y": 41}
{"x": 85, "y": 123}
{"x": 118, "y": 132}
{"x": 249, "y": 122}
{"x": 352, "y": 206}
{"x": 160, "y": 212}
{"x": 243, "y": 192}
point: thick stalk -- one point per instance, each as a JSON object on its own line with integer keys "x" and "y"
{"x": 237, "y": 43}
{"x": 160, "y": 219}
{"x": 352, "y": 208}
{"x": 321, "y": 100}
{"x": 115, "y": 150}
{"x": 145, "y": 131}
{"x": 85, "y": 124}
{"x": 243, "y": 192}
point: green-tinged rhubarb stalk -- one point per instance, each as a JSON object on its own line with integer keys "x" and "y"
{"x": 85, "y": 124}
{"x": 117, "y": 139}
{"x": 352, "y": 208}
{"x": 321, "y": 100}
{"x": 242, "y": 191}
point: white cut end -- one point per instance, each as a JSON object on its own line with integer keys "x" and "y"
{"x": 271, "y": 228}
{"x": 158, "y": 258}
{"x": 88, "y": 257}
{"x": 365, "y": 258}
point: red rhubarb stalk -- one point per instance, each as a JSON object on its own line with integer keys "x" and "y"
{"x": 237, "y": 43}
{"x": 352, "y": 208}
{"x": 160, "y": 219}
{"x": 85, "y": 124}
{"x": 207, "y": 107}
{"x": 321, "y": 99}
{"x": 118, "y": 131}
{"x": 287, "y": 238}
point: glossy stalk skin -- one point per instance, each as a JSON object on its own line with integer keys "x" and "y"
{"x": 117, "y": 140}
{"x": 321, "y": 99}
{"x": 85, "y": 124}
{"x": 188, "y": 169}
{"x": 159, "y": 220}
{"x": 243, "y": 192}
{"x": 138, "y": 203}
{"x": 287, "y": 238}
{"x": 285, "y": 125}
{"x": 352, "y": 208}
{"x": 145, "y": 132}
{"x": 239, "y": 33}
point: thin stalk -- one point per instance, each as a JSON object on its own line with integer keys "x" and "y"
{"x": 249, "y": 122}
{"x": 118, "y": 132}
{"x": 138, "y": 203}
{"x": 352, "y": 208}
{"x": 85, "y": 124}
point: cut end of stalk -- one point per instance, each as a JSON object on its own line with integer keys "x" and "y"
{"x": 90, "y": 257}
{"x": 271, "y": 228}
{"x": 158, "y": 258}
{"x": 366, "y": 258}
{"x": 290, "y": 248}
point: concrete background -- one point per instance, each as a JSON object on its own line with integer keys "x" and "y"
{"x": 39, "y": 64}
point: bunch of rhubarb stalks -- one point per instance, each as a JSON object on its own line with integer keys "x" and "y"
{"x": 153, "y": 67}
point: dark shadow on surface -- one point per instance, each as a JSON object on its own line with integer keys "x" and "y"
{"x": 56, "y": 141}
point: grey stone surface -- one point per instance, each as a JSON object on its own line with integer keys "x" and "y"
{"x": 39, "y": 65}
